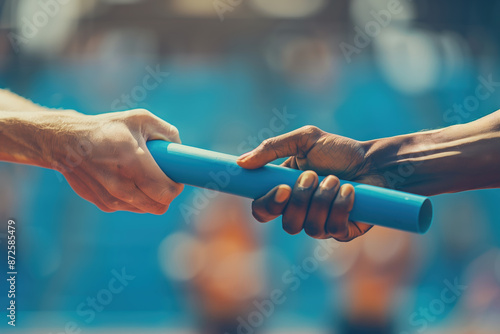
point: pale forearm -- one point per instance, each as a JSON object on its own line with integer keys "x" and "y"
{"x": 28, "y": 130}
{"x": 26, "y": 137}
{"x": 104, "y": 157}
{"x": 12, "y": 102}
{"x": 456, "y": 158}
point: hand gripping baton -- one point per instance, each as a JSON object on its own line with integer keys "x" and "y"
{"x": 218, "y": 171}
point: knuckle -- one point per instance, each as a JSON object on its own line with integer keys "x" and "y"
{"x": 342, "y": 234}
{"x": 178, "y": 188}
{"x": 142, "y": 112}
{"x": 168, "y": 194}
{"x": 257, "y": 211}
{"x": 174, "y": 131}
{"x": 267, "y": 144}
{"x": 139, "y": 114}
{"x": 103, "y": 208}
{"x": 290, "y": 228}
{"x": 160, "y": 209}
{"x": 311, "y": 130}
{"x": 337, "y": 229}
{"x": 312, "y": 230}
{"x": 291, "y": 231}
{"x": 258, "y": 215}
{"x": 113, "y": 204}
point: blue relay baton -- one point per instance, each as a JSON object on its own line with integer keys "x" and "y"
{"x": 220, "y": 172}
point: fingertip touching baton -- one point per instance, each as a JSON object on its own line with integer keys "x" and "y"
{"x": 220, "y": 172}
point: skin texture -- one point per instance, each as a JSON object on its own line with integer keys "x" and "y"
{"x": 322, "y": 210}
{"x": 104, "y": 157}
{"x": 457, "y": 158}
{"x": 106, "y": 161}
{"x": 116, "y": 171}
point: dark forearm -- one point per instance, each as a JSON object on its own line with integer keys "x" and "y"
{"x": 456, "y": 158}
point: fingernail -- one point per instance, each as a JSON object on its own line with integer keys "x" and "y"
{"x": 306, "y": 180}
{"x": 244, "y": 156}
{"x": 329, "y": 183}
{"x": 345, "y": 191}
{"x": 282, "y": 194}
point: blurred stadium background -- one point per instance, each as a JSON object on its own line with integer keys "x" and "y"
{"x": 239, "y": 72}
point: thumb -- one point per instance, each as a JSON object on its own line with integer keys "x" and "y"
{"x": 157, "y": 128}
{"x": 290, "y": 144}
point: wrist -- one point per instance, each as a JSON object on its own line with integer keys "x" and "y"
{"x": 63, "y": 130}
{"x": 404, "y": 162}
{"x": 34, "y": 137}
{"x": 457, "y": 158}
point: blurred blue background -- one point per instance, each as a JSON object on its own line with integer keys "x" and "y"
{"x": 238, "y": 73}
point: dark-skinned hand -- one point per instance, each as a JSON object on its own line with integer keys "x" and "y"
{"x": 322, "y": 210}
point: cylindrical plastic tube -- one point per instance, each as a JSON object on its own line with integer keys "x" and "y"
{"x": 217, "y": 171}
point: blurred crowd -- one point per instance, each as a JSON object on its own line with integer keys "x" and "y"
{"x": 222, "y": 70}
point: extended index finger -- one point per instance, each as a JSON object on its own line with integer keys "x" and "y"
{"x": 294, "y": 143}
